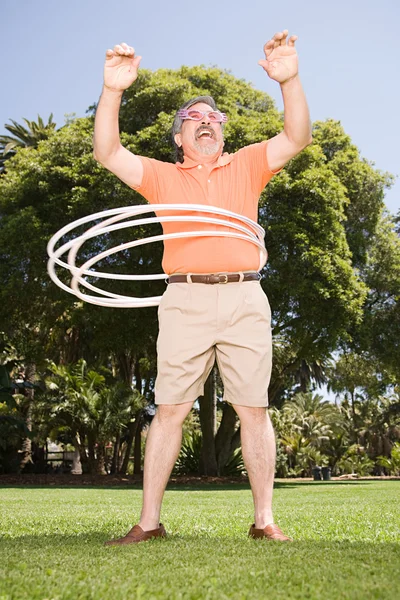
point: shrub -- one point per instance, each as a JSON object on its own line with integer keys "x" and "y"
{"x": 391, "y": 464}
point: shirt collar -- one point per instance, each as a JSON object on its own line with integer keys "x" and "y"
{"x": 188, "y": 163}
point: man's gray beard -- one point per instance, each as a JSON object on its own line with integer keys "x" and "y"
{"x": 207, "y": 150}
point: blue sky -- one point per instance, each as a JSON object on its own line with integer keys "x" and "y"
{"x": 53, "y": 55}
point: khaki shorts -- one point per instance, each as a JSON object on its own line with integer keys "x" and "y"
{"x": 201, "y": 323}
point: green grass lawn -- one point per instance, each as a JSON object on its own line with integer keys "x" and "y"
{"x": 346, "y": 543}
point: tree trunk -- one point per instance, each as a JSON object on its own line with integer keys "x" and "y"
{"x": 92, "y": 455}
{"x": 115, "y": 458}
{"x": 131, "y": 436}
{"x": 26, "y": 450}
{"x": 70, "y": 350}
{"x": 304, "y": 379}
{"x": 101, "y": 460}
{"x": 208, "y": 421}
{"x": 82, "y": 451}
{"x": 146, "y": 389}
{"x": 76, "y": 461}
{"x": 353, "y": 411}
{"x": 126, "y": 367}
{"x": 275, "y": 390}
{"x": 387, "y": 446}
{"x": 227, "y": 438}
{"x": 138, "y": 375}
{"x": 137, "y": 450}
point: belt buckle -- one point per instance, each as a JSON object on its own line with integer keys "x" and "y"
{"x": 225, "y": 280}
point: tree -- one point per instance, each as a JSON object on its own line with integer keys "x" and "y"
{"x": 310, "y": 431}
{"x": 379, "y": 331}
{"x": 319, "y": 224}
{"x": 369, "y": 398}
{"x": 24, "y": 137}
{"x": 93, "y": 413}
{"x": 15, "y": 428}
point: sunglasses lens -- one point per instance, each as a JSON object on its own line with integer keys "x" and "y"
{"x": 215, "y": 117}
{"x": 196, "y": 115}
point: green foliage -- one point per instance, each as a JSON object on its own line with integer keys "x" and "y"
{"x": 13, "y": 429}
{"x": 305, "y": 428}
{"x": 379, "y": 332}
{"x": 364, "y": 186}
{"x": 82, "y": 409}
{"x": 321, "y": 214}
{"x": 370, "y": 403}
{"x": 356, "y": 461}
{"x": 314, "y": 291}
{"x": 392, "y": 463}
{"x": 190, "y": 455}
{"x": 349, "y": 437}
{"x": 24, "y": 137}
{"x": 332, "y": 277}
{"x": 44, "y": 189}
{"x": 356, "y": 371}
{"x": 234, "y": 465}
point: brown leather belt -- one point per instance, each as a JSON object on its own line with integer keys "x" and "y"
{"x": 214, "y": 278}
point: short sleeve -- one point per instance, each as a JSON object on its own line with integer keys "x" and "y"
{"x": 254, "y": 158}
{"x": 156, "y": 180}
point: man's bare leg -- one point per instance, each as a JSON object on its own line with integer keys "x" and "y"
{"x": 162, "y": 449}
{"x": 259, "y": 450}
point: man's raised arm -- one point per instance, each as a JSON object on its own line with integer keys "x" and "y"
{"x": 281, "y": 64}
{"x": 120, "y": 71}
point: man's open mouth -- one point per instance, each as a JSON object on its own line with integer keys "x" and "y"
{"x": 204, "y": 133}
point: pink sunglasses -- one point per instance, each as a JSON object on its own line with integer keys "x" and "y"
{"x": 214, "y": 116}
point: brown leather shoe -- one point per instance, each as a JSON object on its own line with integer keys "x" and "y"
{"x": 270, "y": 532}
{"x": 136, "y": 535}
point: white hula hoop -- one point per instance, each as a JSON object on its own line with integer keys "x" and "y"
{"x": 248, "y": 230}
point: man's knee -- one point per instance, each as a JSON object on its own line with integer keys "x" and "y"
{"x": 251, "y": 413}
{"x": 173, "y": 413}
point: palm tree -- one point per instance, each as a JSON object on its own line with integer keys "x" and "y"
{"x": 116, "y": 408}
{"x": 312, "y": 415}
{"x": 73, "y": 391}
{"x": 380, "y": 425}
{"x": 306, "y": 371}
{"x": 296, "y": 366}
{"x": 24, "y": 137}
{"x": 15, "y": 416}
{"x": 92, "y": 412}
{"x": 306, "y": 424}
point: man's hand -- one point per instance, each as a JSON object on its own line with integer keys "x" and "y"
{"x": 120, "y": 71}
{"x": 281, "y": 62}
{"x": 121, "y": 68}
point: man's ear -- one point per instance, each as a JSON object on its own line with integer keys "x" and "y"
{"x": 178, "y": 140}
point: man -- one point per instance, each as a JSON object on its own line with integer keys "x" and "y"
{"x": 201, "y": 318}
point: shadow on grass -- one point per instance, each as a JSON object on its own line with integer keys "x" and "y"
{"x": 281, "y": 485}
{"x": 293, "y": 484}
{"x": 195, "y": 487}
{"x": 57, "y": 542}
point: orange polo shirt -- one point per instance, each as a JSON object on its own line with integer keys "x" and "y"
{"x": 234, "y": 184}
